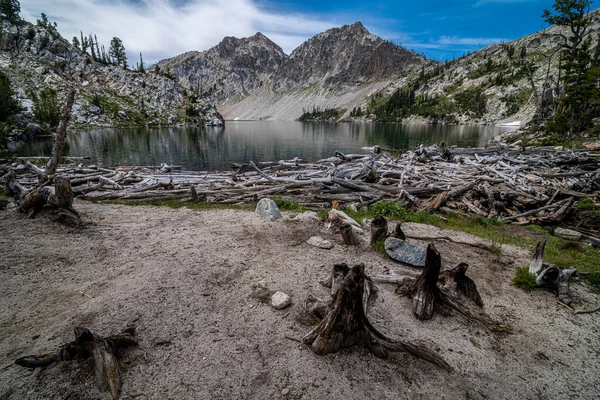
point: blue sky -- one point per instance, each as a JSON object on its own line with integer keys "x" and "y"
{"x": 165, "y": 28}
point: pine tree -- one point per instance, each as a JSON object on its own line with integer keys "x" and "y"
{"x": 97, "y": 47}
{"x": 9, "y": 10}
{"x": 117, "y": 52}
{"x": 141, "y": 66}
{"x": 8, "y": 104}
{"x": 91, "y": 43}
{"x": 84, "y": 43}
{"x": 576, "y": 61}
{"x": 76, "y": 42}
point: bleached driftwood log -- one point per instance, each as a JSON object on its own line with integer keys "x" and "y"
{"x": 551, "y": 276}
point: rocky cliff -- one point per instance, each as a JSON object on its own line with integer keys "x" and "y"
{"x": 37, "y": 57}
{"x": 252, "y": 78}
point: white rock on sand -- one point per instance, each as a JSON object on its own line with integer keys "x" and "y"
{"x": 280, "y": 300}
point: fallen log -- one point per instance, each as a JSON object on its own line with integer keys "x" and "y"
{"x": 86, "y": 345}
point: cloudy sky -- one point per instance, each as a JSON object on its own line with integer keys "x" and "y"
{"x": 441, "y": 29}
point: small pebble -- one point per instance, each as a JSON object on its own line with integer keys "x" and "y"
{"x": 285, "y": 391}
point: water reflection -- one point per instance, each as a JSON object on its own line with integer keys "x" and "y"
{"x": 212, "y": 148}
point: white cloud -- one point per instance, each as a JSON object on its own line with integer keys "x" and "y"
{"x": 159, "y": 29}
{"x": 455, "y": 40}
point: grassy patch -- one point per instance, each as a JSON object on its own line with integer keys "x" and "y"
{"x": 594, "y": 279}
{"x": 524, "y": 279}
{"x": 288, "y": 204}
{"x": 378, "y": 246}
{"x": 388, "y": 208}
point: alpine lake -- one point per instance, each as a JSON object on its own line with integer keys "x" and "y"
{"x": 216, "y": 148}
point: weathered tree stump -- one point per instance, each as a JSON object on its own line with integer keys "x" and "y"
{"x": 379, "y": 229}
{"x": 551, "y": 276}
{"x": 348, "y": 235}
{"x": 425, "y": 290}
{"x": 398, "y": 233}
{"x": 346, "y": 325}
{"x": 86, "y": 345}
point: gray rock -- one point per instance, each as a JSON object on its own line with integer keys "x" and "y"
{"x": 267, "y": 209}
{"x": 27, "y": 105}
{"x": 568, "y": 234}
{"x": 307, "y": 216}
{"x": 37, "y": 129}
{"x": 319, "y": 242}
{"x": 123, "y": 116}
{"x": 280, "y": 300}
{"x": 94, "y": 110}
{"x": 173, "y": 119}
{"x": 404, "y": 252}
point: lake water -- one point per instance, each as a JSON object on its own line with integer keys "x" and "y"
{"x": 211, "y": 148}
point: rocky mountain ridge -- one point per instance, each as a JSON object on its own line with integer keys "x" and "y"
{"x": 252, "y": 78}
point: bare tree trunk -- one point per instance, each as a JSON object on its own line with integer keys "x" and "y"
{"x": 59, "y": 142}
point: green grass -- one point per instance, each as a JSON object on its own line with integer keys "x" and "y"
{"x": 594, "y": 279}
{"x": 524, "y": 279}
{"x": 586, "y": 204}
{"x": 288, "y": 204}
{"x": 378, "y": 246}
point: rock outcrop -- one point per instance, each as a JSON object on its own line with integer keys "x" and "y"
{"x": 37, "y": 57}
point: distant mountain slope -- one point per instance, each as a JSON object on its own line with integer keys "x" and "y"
{"x": 490, "y": 86}
{"x": 233, "y": 67}
{"x": 253, "y": 79}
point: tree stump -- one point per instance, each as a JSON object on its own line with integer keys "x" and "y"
{"x": 346, "y": 325}
{"x": 379, "y": 229}
{"x": 424, "y": 291}
{"x": 398, "y": 233}
{"x": 348, "y": 235}
{"x": 86, "y": 345}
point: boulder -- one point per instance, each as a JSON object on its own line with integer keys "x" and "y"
{"x": 280, "y": 300}
{"x": 307, "y": 216}
{"x": 267, "y": 209}
{"x": 568, "y": 234}
{"x": 319, "y": 242}
{"x": 123, "y": 116}
{"x": 172, "y": 119}
{"x": 37, "y": 129}
{"x": 404, "y": 252}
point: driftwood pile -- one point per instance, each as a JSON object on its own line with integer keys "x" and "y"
{"x": 540, "y": 185}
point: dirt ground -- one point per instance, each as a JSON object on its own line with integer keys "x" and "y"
{"x": 187, "y": 277}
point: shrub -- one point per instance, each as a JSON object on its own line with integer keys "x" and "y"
{"x": 9, "y": 106}
{"x": 388, "y": 208}
{"x": 524, "y": 279}
{"x": 46, "y": 108}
